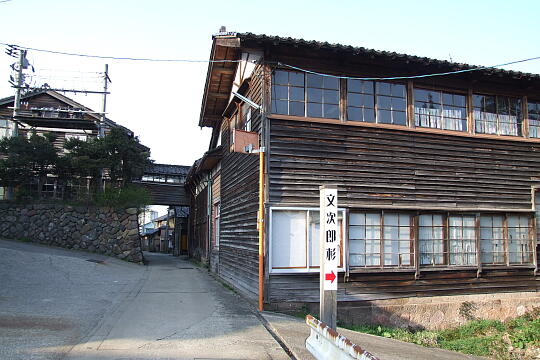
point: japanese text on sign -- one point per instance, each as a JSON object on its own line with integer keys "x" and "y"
{"x": 329, "y": 238}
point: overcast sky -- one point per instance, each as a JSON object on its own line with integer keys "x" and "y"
{"x": 161, "y": 101}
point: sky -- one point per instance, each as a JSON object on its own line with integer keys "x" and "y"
{"x": 161, "y": 102}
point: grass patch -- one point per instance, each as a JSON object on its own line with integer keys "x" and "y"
{"x": 518, "y": 338}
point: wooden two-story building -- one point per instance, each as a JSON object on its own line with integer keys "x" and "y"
{"x": 48, "y": 111}
{"x": 437, "y": 164}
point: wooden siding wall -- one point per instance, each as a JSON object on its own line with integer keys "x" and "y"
{"x": 384, "y": 168}
{"x": 198, "y": 241}
{"x": 392, "y": 168}
{"x": 238, "y": 248}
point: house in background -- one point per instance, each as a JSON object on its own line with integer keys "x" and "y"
{"x": 437, "y": 177}
{"x": 48, "y": 111}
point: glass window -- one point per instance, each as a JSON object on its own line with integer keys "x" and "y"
{"x": 534, "y": 119}
{"x": 398, "y": 244}
{"x": 492, "y": 239}
{"x": 440, "y": 110}
{"x": 322, "y": 96}
{"x": 391, "y": 103}
{"x": 360, "y": 101}
{"x": 246, "y": 117}
{"x": 376, "y": 239}
{"x": 295, "y": 240}
{"x": 519, "y": 241}
{"x": 295, "y": 93}
{"x": 289, "y": 245}
{"x": 500, "y": 115}
{"x": 462, "y": 239}
{"x": 380, "y": 102}
{"x": 431, "y": 239}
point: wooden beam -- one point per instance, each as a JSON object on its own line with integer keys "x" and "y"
{"x": 223, "y": 70}
{"x": 233, "y": 42}
{"x": 219, "y": 95}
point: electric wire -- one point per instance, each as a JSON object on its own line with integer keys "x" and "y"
{"x": 119, "y": 58}
{"x": 472, "y": 69}
{"x": 407, "y": 77}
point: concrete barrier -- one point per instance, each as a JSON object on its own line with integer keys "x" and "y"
{"x": 326, "y": 344}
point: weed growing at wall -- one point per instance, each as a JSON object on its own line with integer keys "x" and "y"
{"x": 514, "y": 339}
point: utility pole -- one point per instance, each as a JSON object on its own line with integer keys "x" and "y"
{"x": 18, "y": 87}
{"x": 106, "y": 80}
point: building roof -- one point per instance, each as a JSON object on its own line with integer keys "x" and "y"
{"x": 108, "y": 122}
{"x": 205, "y": 163}
{"x": 227, "y": 46}
{"x": 247, "y": 39}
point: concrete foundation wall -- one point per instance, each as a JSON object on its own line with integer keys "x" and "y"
{"x": 112, "y": 232}
{"x": 436, "y": 312}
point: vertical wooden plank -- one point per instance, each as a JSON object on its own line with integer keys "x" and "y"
{"x": 416, "y": 240}
{"x": 410, "y": 104}
{"x": 505, "y": 235}
{"x": 477, "y": 239}
{"x": 446, "y": 233}
{"x": 343, "y": 100}
{"x": 470, "y": 113}
{"x": 525, "y": 114}
{"x": 381, "y": 239}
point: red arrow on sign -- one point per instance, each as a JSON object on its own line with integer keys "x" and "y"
{"x": 330, "y": 277}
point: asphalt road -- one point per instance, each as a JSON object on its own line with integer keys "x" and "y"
{"x": 62, "y": 304}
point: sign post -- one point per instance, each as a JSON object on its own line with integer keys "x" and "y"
{"x": 329, "y": 254}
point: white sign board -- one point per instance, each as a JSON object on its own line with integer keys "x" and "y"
{"x": 329, "y": 240}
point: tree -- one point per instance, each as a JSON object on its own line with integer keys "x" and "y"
{"x": 117, "y": 158}
{"x": 121, "y": 156}
{"x": 27, "y": 161}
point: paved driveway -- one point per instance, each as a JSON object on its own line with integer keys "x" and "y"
{"x": 56, "y": 304}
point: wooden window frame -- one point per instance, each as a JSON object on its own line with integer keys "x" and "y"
{"x": 520, "y": 127}
{"x": 441, "y": 91}
{"x": 376, "y": 103}
{"x": 418, "y": 268}
{"x": 307, "y": 269}
{"x": 409, "y": 111}
{"x": 382, "y": 241}
{"x": 305, "y": 102}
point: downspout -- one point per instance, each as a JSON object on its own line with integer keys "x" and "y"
{"x": 209, "y": 216}
{"x": 261, "y": 227}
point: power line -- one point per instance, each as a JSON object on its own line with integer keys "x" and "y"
{"x": 407, "y": 77}
{"x": 279, "y": 63}
{"x": 119, "y": 58}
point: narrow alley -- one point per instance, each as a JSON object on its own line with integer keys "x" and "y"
{"x": 75, "y": 305}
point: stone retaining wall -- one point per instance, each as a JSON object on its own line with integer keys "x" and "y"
{"x": 437, "y": 312}
{"x": 113, "y": 232}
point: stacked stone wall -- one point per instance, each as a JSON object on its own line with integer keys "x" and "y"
{"x": 113, "y": 232}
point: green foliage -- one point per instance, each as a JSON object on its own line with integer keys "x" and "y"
{"x": 500, "y": 340}
{"x": 26, "y": 159}
{"x": 128, "y": 196}
{"x": 25, "y": 164}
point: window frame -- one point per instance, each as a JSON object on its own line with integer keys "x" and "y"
{"x": 415, "y": 230}
{"x": 382, "y": 240}
{"x": 442, "y": 91}
{"x": 305, "y": 100}
{"x": 520, "y": 120}
{"x": 376, "y": 107}
{"x": 307, "y": 269}
{"x": 523, "y": 126}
